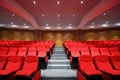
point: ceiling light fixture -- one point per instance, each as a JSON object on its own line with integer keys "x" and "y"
{"x": 26, "y": 27}
{"x": 104, "y": 14}
{"x": 14, "y": 26}
{"x": 104, "y": 25}
{"x": 24, "y": 24}
{"x": 91, "y": 26}
{"x": 93, "y": 23}
{"x": 12, "y": 23}
{"x": 13, "y": 14}
{"x": 117, "y": 24}
{"x": 46, "y": 25}
{"x": 70, "y": 24}
{"x": 58, "y": 2}
{"x": 73, "y": 15}
{"x": 34, "y": 2}
{"x": 43, "y": 15}
{"x": 2, "y": 24}
{"x": 58, "y": 27}
{"x": 81, "y": 2}
{"x": 69, "y": 27}
{"x": 58, "y": 24}
{"x": 106, "y": 22}
{"x": 58, "y": 15}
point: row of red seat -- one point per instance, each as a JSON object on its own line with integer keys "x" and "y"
{"x": 101, "y": 67}
{"x": 42, "y": 49}
{"x": 19, "y": 68}
{"x": 74, "y": 50}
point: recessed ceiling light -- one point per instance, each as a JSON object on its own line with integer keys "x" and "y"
{"x": 14, "y": 26}
{"x": 2, "y": 25}
{"x": 43, "y": 15}
{"x": 91, "y": 26}
{"x": 12, "y": 23}
{"x": 58, "y": 15}
{"x": 104, "y": 25}
{"x": 58, "y": 2}
{"x": 46, "y": 25}
{"x": 58, "y": 27}
{"x": 106, "y": 22}
{"x": 73, "y": 15}
{"x": 34, "y": 2}
{"x": 69, "y": 27}
{"x": 26, "y": 27}
{"x": 117, "y": 24}
{"x": 24, "y": 24}
{"x": 81, "y": 2}
{"x": 70, "y": 24}
{"x": 104, "y": 14}
{"x": 13, "y": 14}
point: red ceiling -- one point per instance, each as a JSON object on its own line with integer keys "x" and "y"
{"x": 51, "y": 9}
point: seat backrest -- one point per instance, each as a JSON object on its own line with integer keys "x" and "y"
{"x": 3, "y": 60}
{"x": 84, "y": 51}
{"x": 102, "y": 62}
{"x": 94, "y": 51}
{"x": 30, "y": 63}
{"x": 86, "y": 62}
{"x": 114, "y": 50}
{"x": 14, "y": 62}
{"x": 104, "y": 51}
{"x": 115, "y": 59}
{"x": 13, "y": 51}
{"x": 3, "y": 50}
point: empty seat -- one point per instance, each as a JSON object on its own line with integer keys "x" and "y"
{"x": 3, "y": 61}
{"x": 114, "y": 51}
{"x": 115, "y": 59}
{"x": 13, "y": 51}
{"x": 14, "y": 64}
{"x": 104, "y": 51}
{"x": 94, "y": 51}
{"x": 22, "y": 51}
{"x": 30, "y": 69}
{"x": 103, "y": 64}
{"x": 84, "y": 51}
{"x": 87, "y": 69}
{"x": 3, "y": 51}
{"x": 32, "y": 51}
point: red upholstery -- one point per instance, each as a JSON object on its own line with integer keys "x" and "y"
{"x": 13, "y": 51}
{"x": 22, "y": 51}
{"x": 3, "y": 61}
{"x": 29, "y": 68}
{"x": 104, "y": 51}
{"x": 85, "y": 51}
{"x": 94, "y": 51}
{"x": 114, "y": 51}
{"x": 32, "y": 51}
{"x": 3, "y": 51}
{"x": 14, "y": 63}
{"x": 115, "y": 59}
{"x": 87, "y": 67}
{"x": 103, "y": 64}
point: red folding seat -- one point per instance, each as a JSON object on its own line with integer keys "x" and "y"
{"x": 104, "y": 51}
{"x": 84, "y": 51}
{"x": 3, "y": 61}
{"x": 32, "y": 51}
{"x": 22, "y": 51}
{"x": 14, "y": 64}
{"x": 115, "y": 59}
{"x": 87, "y": 70}
{"x": 29, "y": 70}
{"x": 94, "y": 51}
{"x": 3, "y": 51}
{"x": 114, "y": 51}
{"x": 13, "y": 51}
{"x": 103, "y": 64}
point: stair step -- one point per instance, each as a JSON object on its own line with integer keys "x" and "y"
{"x": 58, "y": 52}
{"x": 63, "y": 73}
{"x": 58, "y": 78}
{"x": 59, "y": 58}
{"x": 58, "y": 66}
